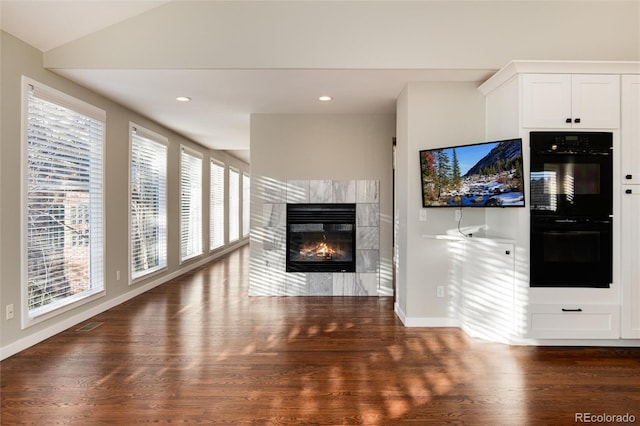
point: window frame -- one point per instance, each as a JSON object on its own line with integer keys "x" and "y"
{"x": 98, "y": 248}
{"x": 234, "y": 206}
{"x": 246, "y": 205}
{"x": 213, "y": 245}
{"x": 163, "y": 141}
{"x": 184, "y": 150}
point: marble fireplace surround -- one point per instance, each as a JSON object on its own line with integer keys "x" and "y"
{"x": 267, "y": 274}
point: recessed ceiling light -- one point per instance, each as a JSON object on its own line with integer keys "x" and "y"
{"x": 325, "y": 98}
{"x": 183, "y": 99}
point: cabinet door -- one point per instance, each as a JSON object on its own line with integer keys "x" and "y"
{"x": 488, "y": 290}
{"x": 546, "y": 101}
{"x": 630, "y": 261}
{"x": 630, "y": 129}
{"x": 581, "y": 101}
{"x": 595, "y": 101}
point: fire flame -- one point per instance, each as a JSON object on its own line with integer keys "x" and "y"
{"x": 321, "y": 249}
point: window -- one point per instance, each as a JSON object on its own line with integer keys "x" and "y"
{"x": 63, "y": 227}
{"x": 79, "y": 220}
{"x": 234, "y": 205}
{"x": 148, "y": 202}
{"x": 55, "y": 226}
{"x": 190, "y": 204}
{"x": 216, "y": 206}
{"x": 246, "y": 204}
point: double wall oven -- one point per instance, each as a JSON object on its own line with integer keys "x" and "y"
{"x": 571, "y": 209}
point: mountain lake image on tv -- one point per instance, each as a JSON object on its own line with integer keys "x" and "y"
{"x": 488, "y": 174}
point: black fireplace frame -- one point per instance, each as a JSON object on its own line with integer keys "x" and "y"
{"x": 343, "y": 213}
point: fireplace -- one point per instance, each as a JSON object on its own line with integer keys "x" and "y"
{"x": 321, "y": 238}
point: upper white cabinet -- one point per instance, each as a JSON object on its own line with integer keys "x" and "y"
{"x": 546, "y": 100}
{"x": 630, "y": 129}
{"x": 556, "y": 101}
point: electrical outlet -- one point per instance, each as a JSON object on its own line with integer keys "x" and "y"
{"x": 457, "y": 215}
{"x": 118, "y": 275}
{"x": 10, "y": 311}
{"x": 440, "y": 291}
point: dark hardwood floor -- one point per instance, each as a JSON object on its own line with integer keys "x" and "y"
{"x": 199, "y": 350}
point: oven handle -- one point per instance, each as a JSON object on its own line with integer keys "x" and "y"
{"x": 572, "y": 221}
{"x": 569, "y": 227}
{"x": 572, "y": 310}
{"x": 550, "y": 153}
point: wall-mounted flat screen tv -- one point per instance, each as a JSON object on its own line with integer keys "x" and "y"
{"x": 488, "y": 174}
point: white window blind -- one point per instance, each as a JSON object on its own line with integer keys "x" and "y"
{"x": 246, "y": 207}
{"x": 148, "y": 203}
{"x": 64, "y": 200}
{"x": 216, "y": 205}
{"x": 190, "y": 204}
{"x": 234, "y": 205}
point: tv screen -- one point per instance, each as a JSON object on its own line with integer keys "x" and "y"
{"x": 488, "y": 174}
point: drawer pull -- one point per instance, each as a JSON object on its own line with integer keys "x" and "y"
{"x": 572, "y": 310}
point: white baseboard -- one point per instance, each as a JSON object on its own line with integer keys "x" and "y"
{"x": 624, "y": 343}
{"x": 60, "y": 326}
{"x": 399, "y": 312}
{"x": 424, "y": 321}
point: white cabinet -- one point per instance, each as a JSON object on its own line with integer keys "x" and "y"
{"x": 630, "y": 129}
{"x": 630, "y": 238}
{"x": 630, "y": 261}
{"x": 556, "y": 101}
{"x": 546, "y": 101}
{"x": 488, "y": 289}
{"x": 527, "y": 96}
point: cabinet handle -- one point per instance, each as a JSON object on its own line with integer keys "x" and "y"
{"x": 568, "y": 120}
{"x": 572, "y": 310}
{"x": 628, "y": 177}
{"x": 628, "y": 191}
{"x": 507, "y": 252}
{"x": 577, "y": 120}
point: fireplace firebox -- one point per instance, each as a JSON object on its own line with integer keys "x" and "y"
{"x": 321, "y": 238}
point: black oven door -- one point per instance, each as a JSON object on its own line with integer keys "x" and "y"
{"x": 571, "y": 185}
{"x": 571, "y": 252}
{"x": 571, "y": 174}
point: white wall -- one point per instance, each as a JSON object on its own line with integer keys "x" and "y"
{"x": 20, "y": 59}
{"x": 316, "y": 147}
{"x": 430, "y": 115}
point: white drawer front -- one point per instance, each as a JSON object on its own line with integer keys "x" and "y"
{"x": 574, "y": 322}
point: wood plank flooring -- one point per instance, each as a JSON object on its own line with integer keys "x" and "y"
{"x": 198, "y": 350}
